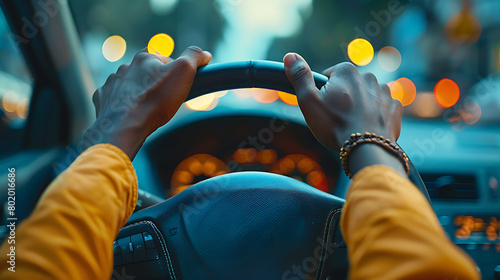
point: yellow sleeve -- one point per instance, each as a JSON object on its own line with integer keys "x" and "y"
{"x": 392, "y": 232}
{"x": 70, "y": 233}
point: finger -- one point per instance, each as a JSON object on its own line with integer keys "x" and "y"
{"x": 341, "y": 68}
{"x": 195, "y": 56}
{"x": 144, "y": 55}
{"x": 299, "y": 73}
{"x": 385, "y": 93}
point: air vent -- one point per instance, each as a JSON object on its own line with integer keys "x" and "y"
{"x": 451, "y": 187}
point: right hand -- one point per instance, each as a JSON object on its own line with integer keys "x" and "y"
{"x": 348, "y": 103}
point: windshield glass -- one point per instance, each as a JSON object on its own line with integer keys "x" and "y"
{"x": 440, "y": 57}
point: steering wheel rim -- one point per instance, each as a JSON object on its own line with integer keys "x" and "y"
{"x": 262, "y": 74}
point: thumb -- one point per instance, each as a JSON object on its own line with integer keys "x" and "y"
{"x": 299, "y": 73}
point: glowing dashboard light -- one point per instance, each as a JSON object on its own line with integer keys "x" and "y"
{"x": 162, "y": 44}
{"x": 267, "y": 156}
{"x": 302, "y": 168}
{"x": 186, "y": 173}
{"x": 265, "y": 95}
{"x": 389, "y": 58}
{"x": 404, "y": 90}
{"x": 201, "y": 103}
{"x": 446, "y": 93}
{"x": 114, "y": 48}
{"x": 246, "y": 155}
{"x": 360, "y": 52}
{"x": 287, "y": 166}
{"x": 288, "y": 98}
{"x": 425, "y": 106}
{"x": 22, "y": 108}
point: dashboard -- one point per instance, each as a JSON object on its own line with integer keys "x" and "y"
{"x": 218, "y": 146}
{"x": 459, "y": 168}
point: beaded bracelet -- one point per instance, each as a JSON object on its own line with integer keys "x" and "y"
{"x": 358, "y": 139}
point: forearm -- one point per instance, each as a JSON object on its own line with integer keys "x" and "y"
{"x": 71, "y": 231}
{"x": 392, "y": 232}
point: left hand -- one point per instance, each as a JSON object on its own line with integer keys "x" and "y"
{"x": 141, "y": 97}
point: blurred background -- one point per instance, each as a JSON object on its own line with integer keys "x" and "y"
{"x": 440, "y": 57}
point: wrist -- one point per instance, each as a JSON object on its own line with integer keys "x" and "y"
{"x": 369, "y": 154}
{"x": 127, "y": 137}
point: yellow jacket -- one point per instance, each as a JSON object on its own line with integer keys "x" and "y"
{"x": 390, "y": 229}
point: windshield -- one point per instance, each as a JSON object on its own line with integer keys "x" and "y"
{"x": 440, "y": 57}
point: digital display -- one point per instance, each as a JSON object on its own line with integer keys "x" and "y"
{"x": 481, "y": 229}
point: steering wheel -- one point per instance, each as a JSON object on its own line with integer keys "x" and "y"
{"x": 245, "y": 225}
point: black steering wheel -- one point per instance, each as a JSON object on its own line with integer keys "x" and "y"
{"x": 245, "y": 225}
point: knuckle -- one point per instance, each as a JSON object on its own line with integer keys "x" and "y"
{"x": 185, "y": 64}
{"x": 299, "y": 72}
{"x": 195, "y": 49}
{"x": 123, "y": 68}
{"x": 370, "y": 77}
{"x": 347, "y": 67}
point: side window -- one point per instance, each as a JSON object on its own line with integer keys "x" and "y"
{"x": 16, "y": 85}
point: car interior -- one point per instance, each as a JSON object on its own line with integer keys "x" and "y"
{"x": 240, "y": 142}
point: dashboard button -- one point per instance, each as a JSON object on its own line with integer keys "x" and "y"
{"x": 153, "y": 254}
{"x": 139, "y": 248}
{"x": 116, "y": 248}
{"x": 148, "y": 240}
{"x": 127, "y": 256}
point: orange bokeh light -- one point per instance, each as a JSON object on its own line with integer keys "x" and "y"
{"x": 265, "y": 95}
{"x": 404, "y": 90}
{"x": 288, "y": 98}
{"x": 446, "y": 93}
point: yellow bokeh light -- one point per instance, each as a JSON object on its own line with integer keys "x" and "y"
{"x": 288, "y": 98}
{"x": 360, "y": 52}
{"x": 114, "y": 48}
{"x": 201, "y": 103}
{"x": 162, "y": 44}
{"x": 389, "y": 58}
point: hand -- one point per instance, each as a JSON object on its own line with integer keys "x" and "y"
{"x": 141, "y": 97}
{"x": 348, "y": 103}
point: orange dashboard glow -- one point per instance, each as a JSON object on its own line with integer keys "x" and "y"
{"x": 300, "y": 166}
{"x": 199, "y": 165}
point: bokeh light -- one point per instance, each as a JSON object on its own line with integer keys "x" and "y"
{"x": 22, "y": 108}
{"x": 288, "y": 98}
{"x": 404, "y": 90}
{"x": 9, "y": 101}
{"x": 114, "y": 48}
{"x": 425, "y": 106}
{"x": 302, "y": 168}
{"x": 194, "y": 169}
{"x": 202, "y": 103}
{"x": 161, "y": 43}
{"x": 265, "y": 95}
{"x": 446, "y": 93}
{"x": 389, "y": 58}
{"x": 463, "y": 27}
{"x": 360, "y": 52}
{"x": 470, "y": 113}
